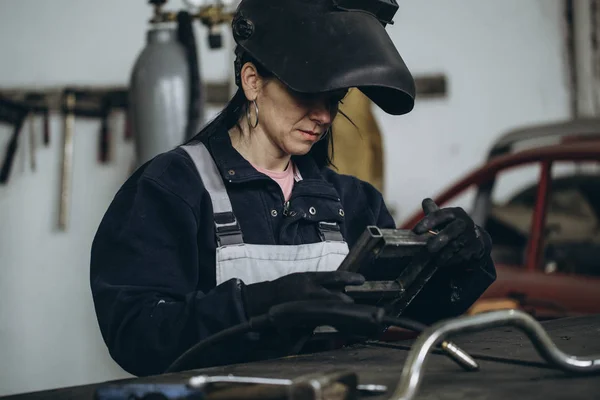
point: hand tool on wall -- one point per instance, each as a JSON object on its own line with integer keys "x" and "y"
{"x": 111, "y": 101}
{"x": 32, "y": 140}
{"x": 87, "y": 104}
{"x": 69, "y": 99}
{"x": 13, "y": 113}
{"x": 38, "y": 105}
{"x": 35, "y": 102}
{"x": 46, "y": 113}
{"x": 105, "y": 134}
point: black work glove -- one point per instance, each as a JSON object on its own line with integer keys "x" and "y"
{"x": 260, "y": 297}
{"x": 456, "y": 241}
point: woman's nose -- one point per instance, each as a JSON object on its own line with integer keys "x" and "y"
{"x": 320, "y": 112}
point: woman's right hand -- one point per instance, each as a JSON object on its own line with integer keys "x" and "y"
{"x": 260, "y": 297}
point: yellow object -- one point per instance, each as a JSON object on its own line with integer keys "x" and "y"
{"x": 358, "y": 151}
{"x": 486, "y": 305}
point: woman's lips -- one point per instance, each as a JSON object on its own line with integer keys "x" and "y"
{"x": 310, "y": 135}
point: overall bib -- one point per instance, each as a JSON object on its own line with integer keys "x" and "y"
{"x": 253, "y": 263}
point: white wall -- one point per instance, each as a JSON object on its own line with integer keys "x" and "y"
{"x": 504, "y": 64}
{"x": 48, "y": 332}
{"x": 505, "y": 67}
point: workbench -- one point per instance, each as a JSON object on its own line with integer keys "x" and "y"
{"x": 510, "y": 367}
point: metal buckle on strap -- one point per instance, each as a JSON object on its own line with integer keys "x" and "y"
{"x": 330, "y": 232}
{"x": 227, "y": 229}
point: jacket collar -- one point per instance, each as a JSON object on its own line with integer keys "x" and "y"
{"x": 235, "y": 168}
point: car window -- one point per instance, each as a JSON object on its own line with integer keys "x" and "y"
{"x": 572, "y": 229}
{"x": 508, "y": 223}
{"x": 512, "y": 181}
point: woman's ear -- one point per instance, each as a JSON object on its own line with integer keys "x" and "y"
{"x": 251, "y": 81}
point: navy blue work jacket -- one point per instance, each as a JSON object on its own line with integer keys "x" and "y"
{"x": 153, "y": 256}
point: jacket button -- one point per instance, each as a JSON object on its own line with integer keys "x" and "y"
{"x": 274, "y": 213}
{"x": 341, "y": 212}
{"x": 312, "y": 211}
{"x": 231, "y": 172}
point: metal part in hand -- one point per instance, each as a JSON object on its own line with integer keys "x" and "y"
{"x": 415, "y": 364}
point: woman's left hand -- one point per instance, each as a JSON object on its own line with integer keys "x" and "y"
{"x": 456, "y": 241}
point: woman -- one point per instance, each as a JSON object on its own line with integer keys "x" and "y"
{"x": 247, "y": 215}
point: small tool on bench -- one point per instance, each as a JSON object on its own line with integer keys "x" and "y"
{"x": 328, "y": 385}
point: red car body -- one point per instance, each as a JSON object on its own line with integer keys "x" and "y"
{"x": 528, "y": 284}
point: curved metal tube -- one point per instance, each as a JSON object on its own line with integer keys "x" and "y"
{"x": 415, "y": 364}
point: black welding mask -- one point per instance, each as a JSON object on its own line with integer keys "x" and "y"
{"x": 316, "y": 46}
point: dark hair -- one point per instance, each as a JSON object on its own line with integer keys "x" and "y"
{"x": 321, "y": 152}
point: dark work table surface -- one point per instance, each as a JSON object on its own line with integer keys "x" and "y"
{"x": 509, "y": 367}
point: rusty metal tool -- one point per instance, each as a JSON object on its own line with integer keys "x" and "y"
{"x": 67, "y": 159}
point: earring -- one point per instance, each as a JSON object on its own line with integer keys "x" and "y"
{"x": 252, "y": 126}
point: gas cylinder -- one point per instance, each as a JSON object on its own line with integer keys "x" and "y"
{"x": 159, "y": 93}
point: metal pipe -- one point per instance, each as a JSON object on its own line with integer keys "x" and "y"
{"x": 366, "y": 243}
{"x": 415, "y": 364}
{"x": 200, "y": 382}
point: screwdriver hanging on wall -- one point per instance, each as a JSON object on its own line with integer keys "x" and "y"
{"x": 31, "y": 123}
{"x": 46, "y": 127}
{"x": 104, "y": 138}
{"x": 38, "y": 105}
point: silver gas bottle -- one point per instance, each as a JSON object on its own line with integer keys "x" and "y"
{"x": 159, "y": 93}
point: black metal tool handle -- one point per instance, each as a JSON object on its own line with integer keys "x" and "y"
{"x": 14, "y": 114}
{"x": 105, "y": 134}
{"x": 46, "y": 127}
{"x": 9, "y": 158}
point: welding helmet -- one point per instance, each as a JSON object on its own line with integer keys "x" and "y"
{"x": 316, "y": 46}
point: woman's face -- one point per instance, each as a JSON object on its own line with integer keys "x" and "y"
{"x": 291, "y": 121}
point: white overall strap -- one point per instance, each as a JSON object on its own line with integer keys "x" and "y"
{"x": 227, "y": 228}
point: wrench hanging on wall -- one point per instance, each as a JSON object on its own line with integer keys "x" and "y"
{"x": 13, "y": 113}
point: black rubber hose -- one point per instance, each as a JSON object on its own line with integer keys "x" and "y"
{"x": 289, "y": 315}
{"x": 183, "y": 361}
{"x": 185, "y": 36}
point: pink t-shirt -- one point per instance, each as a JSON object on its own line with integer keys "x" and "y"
{"x": 285, "y": 179}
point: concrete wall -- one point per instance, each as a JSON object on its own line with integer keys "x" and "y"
{"x": 506, "y": 67}
{"x": 504, "y": 64}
